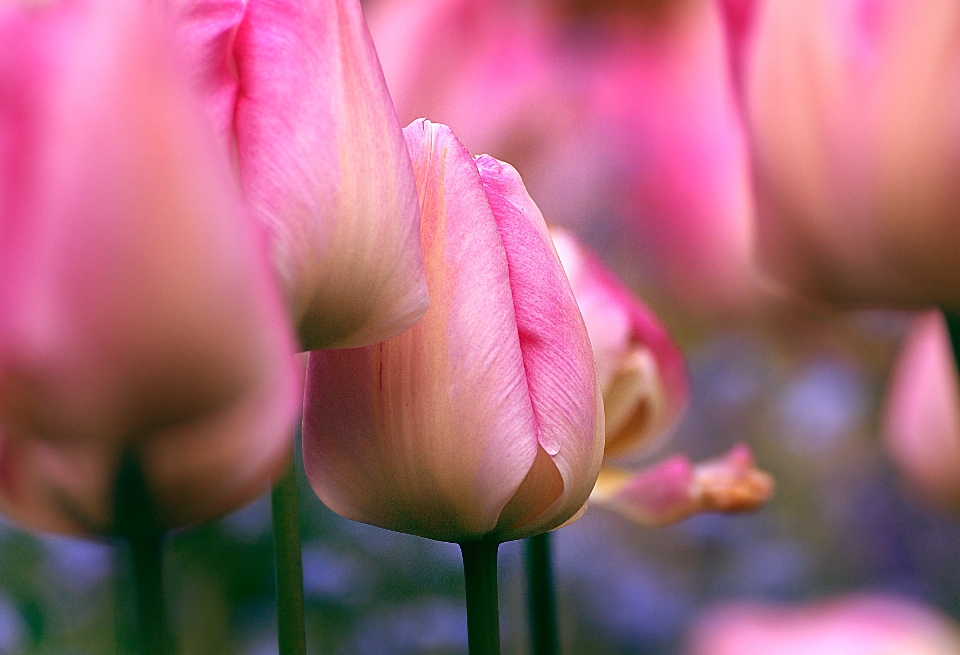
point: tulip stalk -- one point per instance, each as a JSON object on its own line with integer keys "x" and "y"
{"x": 953, "y": 326}
{"x": 541, "y": 599}
{"x": 483, "y": 614}
{"x": 291, "y": 632}
{"x": 136, "y": 521}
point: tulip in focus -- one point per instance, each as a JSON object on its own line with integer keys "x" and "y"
{"x": 296, "y": 92}
{"x": 644, "y": 383}
{"x": 139, "y": 322}
{"x": 483, "y": 421}
{"x": 621, "y": 116}
{"x": 921, "y": 415}
{"x": 853, "y": 112}
{"x": 851, "y": 625}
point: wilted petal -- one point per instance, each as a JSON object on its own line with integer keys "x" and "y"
{"x": 299, "y": 94}
{"x": 675, "y": 489}
{"x": 135, "y": 300}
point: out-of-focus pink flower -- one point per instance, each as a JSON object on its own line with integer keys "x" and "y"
{"x": 622, "y": 119}
{"x": 854, "y": 115}
{"x": 297, "y": 93}
{"x": 644, "y": 383}
{"x": 138, "y": 314}
{"x": 484, "y": 419}
{"x": 921, "y": 415}
{"x": 851, "y": 625}
{"x": 641, "y": 370}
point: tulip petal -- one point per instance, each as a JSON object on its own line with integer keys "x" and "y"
{"x": 296, "y": 90}
{"x": 136, "y": 301}
{"x": 433, "y": 431}
{"x": 557, "y": 358}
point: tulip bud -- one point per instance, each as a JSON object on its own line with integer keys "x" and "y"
{"x": 641, "y": 370}
{"x": 484, "y": 420}
{"x": 296, "y": 90}
{"x": 138, "y": 316}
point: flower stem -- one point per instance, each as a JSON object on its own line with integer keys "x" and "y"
{"x": 291, "y": 632}
{"x": 136, "y": 520}
{"x": 544, "y": 634}
{"x": 953, "y": 324}
{"x": 483, "y": 618}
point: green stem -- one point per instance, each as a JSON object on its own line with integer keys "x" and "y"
{"x": 291, "y": 632}
{"x": 953, "y": 324}
{"x": 136, "y": 520}
{"x": 544, "y": 634}
{"x": 483, "y": 618}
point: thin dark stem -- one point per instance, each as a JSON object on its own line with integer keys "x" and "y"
{"x": 483, "y": 618}
{"x": 953, "y": 324}
{"x": 541, "y": 600}
{"x": 136, "y": 520}
{"x": 291, "y": 632}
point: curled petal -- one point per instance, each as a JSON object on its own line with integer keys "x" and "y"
{"x": 675, "y": 489}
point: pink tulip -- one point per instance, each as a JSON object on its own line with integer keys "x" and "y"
{"x": 484, "y": 419}
{"x": 921, "y": 416}
{"x": 621, "y": 116}
{"x": 138, "y": 315}
{"x": 642, "y": 372}
{"x": 644, "y": 383}
{"x": 852, "y": 107}
{"x": 852, "y": 625}
{"x": 296, "y": 91}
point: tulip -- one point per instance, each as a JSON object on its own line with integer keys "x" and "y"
{"x": 296, "y": 92}
{"x": 641, "y": 370}
{"x": 645, "y": 387}
{"x": 850, "y": 625}
{"x": 852, "y": 110}
{"x": 920, "y": 424}
{"x": 483, "y": 421}
{"x": 621, "y": 116}
{"x": 139, "y": 323}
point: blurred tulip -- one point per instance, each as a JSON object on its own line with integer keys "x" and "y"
{"x": 642, "y": 372}
{"x": 644, "y": 382}
{"x": 852, "y": 625}
{"x": 297, "y": 93}
{"x": 138, "y": 316}
{"x": 485, "y": 419}
{"x": 621, "y": 116}
{"x": 921, "y": 417}
{"x": 853, "y": 110}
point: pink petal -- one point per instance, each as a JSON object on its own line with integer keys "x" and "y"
{"x": 322, "y": 159}
{"x": 674, "y": 489}
{"x": 921, "y": 415}
{"x": 556, "y": 351}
